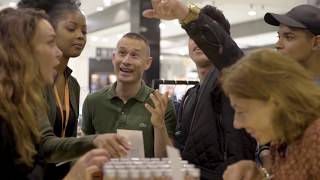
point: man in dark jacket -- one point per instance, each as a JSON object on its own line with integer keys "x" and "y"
{"x": 205, "y": 135}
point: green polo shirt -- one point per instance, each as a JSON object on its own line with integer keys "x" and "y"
{"x": 104, "y": 112}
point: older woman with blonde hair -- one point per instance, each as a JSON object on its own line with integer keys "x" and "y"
{"x": 276, "y": 100}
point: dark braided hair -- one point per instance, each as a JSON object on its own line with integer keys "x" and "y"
{"x": 54, "y": 8}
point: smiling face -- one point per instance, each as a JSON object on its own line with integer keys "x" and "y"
{"x": 255, "y": 116}
{"x": 71, "y": 30}
{"x": 130, "y": 60}
{"x": 296, "y": 43}
{"x": 46, "y": 51}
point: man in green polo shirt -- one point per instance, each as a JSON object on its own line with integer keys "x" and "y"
{"x": 129, "y": 103}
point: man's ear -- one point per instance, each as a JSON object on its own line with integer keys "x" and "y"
{"x": 316, "y": 43}
{"x": 113, "y": 56}
{"x": 148, "y": 63}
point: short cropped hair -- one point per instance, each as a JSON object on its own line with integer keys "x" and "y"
{"x": 133, "y": 35}
{"x": 140, "y": 37}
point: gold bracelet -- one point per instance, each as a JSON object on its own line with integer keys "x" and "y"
{"x": 192, "y": 15}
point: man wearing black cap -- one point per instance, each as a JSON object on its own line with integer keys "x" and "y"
{"x": 299, "y": 35}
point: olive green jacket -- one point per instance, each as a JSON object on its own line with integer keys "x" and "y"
{"x": 74, "y": 90}
{"x": 57, "y": 149}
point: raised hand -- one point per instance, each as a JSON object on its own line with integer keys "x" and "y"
{"x": 159, "y": 110}
{"x": 167, "y": 10}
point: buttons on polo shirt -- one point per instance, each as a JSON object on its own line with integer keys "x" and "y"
{"x": 123, "y": 117}
{"x": 142, "y": 125}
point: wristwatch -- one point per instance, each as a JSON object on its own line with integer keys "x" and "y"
{"x": 192, "y": 15}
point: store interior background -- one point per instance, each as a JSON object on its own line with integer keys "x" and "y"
{"x": 247, "y": 28}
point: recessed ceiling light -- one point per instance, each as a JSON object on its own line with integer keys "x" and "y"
{"x": 105, "y": 39}
{"x": 252, "y": 13}
{"x": 183, "y": 52}
{"x": 107, "y": 3}
{"x": 13, "y": 4}
{"x": 94, "y": 39}
{"x": 99, "y": 8}
{"x": 162, "y": 26}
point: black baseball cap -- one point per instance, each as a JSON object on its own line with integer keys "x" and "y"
{"x": 303, "y": 16}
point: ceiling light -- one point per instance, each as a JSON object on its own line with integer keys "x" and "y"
{"x": 183, "y": 51}
{"x": 94, "y": 39}
{"x": 99, "y": 8}
{"x": 107, "y": 3}
{"x": 105, "y": 39}
{"x": 13, "y": 4}
{"x": 162, "y": 26}
{"x": 252, "y": 13}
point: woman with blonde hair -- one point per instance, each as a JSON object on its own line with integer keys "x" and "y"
{"x": 276, "y": 100}
{"x": 28, "y": 57}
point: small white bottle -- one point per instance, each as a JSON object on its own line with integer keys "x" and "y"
{"x": 134, "y": 174}
{"x": 122, "y": 174}
{"x": 146, "y": 174}
{"x": 109, "y": 174}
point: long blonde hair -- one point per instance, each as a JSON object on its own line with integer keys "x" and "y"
{"x": 21, "y": 83}
{"x": 265, "y": 74}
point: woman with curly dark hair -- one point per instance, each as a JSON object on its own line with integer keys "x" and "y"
{"x": 70, "y": 26}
